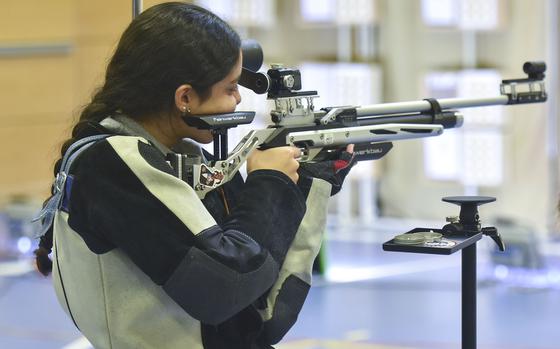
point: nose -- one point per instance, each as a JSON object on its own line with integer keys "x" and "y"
{"x": 238, "y": 97}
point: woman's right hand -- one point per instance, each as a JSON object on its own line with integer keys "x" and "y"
{"x": 281, "y": 159}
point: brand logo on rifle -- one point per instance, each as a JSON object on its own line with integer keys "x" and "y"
{"x": 230, "y": 118}
{"x": 369, "y": 151}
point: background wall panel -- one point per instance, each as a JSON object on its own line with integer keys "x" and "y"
{"x": 42, "y": 94}
{"x": 102, "y": 19}
{"x": 36, "y": 20}
{"x": 36, "y": 89}
{"x": 27, "y": 157}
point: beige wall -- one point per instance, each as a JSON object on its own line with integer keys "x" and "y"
{"x": 42, "y": 94}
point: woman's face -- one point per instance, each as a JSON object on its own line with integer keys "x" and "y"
{"x": 224, "y": 97}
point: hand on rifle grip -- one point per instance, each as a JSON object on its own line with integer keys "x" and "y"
{"x": 283, "y": 159}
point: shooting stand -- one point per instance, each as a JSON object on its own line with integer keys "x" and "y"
{"x": 460, "y": 234}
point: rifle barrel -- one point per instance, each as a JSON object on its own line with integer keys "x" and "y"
{"x": 423, "y": 106}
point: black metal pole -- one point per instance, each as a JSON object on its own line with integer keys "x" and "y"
{"x": 220, "y": 144}
{"x": 468, "y": 302}
{"x": 217, "y": 147}
{"x": 224, "y": 146}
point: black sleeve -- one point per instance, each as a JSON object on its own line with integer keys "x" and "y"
{"x": 125, "y": 196}
{"x": 269, "y": 195}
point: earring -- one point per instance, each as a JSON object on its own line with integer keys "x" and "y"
{"x": 186, "y": 109}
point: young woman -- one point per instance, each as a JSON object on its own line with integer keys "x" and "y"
{"x": 139, "y": 261}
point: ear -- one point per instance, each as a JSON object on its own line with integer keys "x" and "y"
{"x": 185, "y": 97}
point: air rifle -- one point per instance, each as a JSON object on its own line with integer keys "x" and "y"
{"x": 321, "y": 134}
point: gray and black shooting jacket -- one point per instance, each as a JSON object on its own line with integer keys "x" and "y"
{"x": 141, "y": 262}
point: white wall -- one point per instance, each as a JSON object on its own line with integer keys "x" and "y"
{"x": 410, "y": 51}
{"x": 406, "y": 50}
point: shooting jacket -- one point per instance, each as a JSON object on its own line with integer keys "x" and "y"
{"x": 139, "y": 261}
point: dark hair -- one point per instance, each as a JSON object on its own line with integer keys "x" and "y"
{"x": 166, "y": 46}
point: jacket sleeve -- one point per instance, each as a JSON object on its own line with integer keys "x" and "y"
{"x": 286, "y": 297}
{"x": 125, "y": 196}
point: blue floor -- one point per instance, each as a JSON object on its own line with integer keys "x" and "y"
{"x": 423, "y": 309}
{"x": 368, "y": 298}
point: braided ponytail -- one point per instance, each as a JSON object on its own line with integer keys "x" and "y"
{"x": 94, "y": 112}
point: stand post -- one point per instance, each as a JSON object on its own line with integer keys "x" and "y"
{"x": 220, "y": 144}
{"x": 217, "y": 147}
{"x": 468, "y": 294}
{"x": 224, "y": 146}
